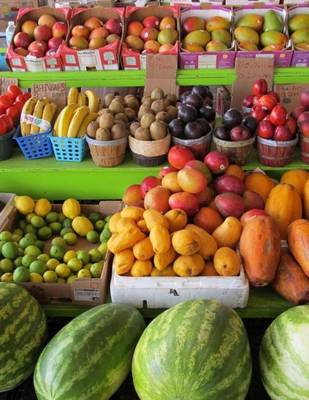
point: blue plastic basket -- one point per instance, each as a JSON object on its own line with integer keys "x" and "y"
{"x": 69, "y": 149}
{"x": 34, "y": 146}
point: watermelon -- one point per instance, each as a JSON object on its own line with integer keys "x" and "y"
{"x": 91, "y": 356}
{"x": 22, "y": 334}
{"x": 284, "y": 356}
{"x": 197, "y": 350}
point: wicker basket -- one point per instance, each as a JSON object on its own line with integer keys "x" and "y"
{"x": 150, "y": 153}
{"x": 304, "y": 148}
{"x": 107, "y": 153}
{"x": 237, "y": 152}
{"x": 276, "y": 154}
{"x": 200, "y": 147}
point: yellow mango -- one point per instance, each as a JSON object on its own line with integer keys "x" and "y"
{"x": 228, "y": 233}
{"x": 160, "y": 239}
{"x": 123, "y": 261}
{"x": 209, "y": 245}
{"x": 142, "y": 226}
{"x": 125, "y": 239}
{"x": 125, "y": 223}
{"x": 162, "y": 260}
{"x": 113, "y": 222}
{"x": 227, "y": 262}
{"x": 189, "y": 265}
{"x": 186, "y": 242}
{"x": 141, "y": 268}
{"x": 177, "y": 219}
{"x": 153, "y": 217}
{"x": 168, "y": 271}
{"x": 143, "y": 250}
{"x": 132, "y": 212}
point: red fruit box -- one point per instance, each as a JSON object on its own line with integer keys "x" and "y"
{"x": 300, "y": 56}
{"x": 207, "y": 59}
{"x": 30, "y": 63}
{"x": 104, "y": 58}
{"x": 132, "y": 59}
{"x": 304, "y": 148}
{"x": 283, "y": 58}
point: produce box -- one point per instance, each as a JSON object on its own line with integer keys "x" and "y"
{"x": 104, "y": 58}
{"x": 207, "y": 59}
{"x": 300, "y": 57}
{"x": 132, "y": 59}
{"x": 81, "y": 291}
{"x": 6, "y": 199}
{"x": 283, "y": 58}
{"x": 49, "y": 63}
{"x": 246, "y": 2}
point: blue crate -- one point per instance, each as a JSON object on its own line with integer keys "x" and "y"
{"x": 34, "y": 146}
{"x": 69, "y": 149}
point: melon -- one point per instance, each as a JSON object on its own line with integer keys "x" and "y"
{"x": 284, "y": 356}
{"x": 22, "y": 334}
{"x": 197, "y": 350}
{"x": 91, "y": 356}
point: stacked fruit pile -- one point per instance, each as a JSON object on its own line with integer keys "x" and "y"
{"x": 301, "y": 113}
{"x": 33, "y": 252}
{"x": 236, "y": 127}
{"x": 298, "y": 27}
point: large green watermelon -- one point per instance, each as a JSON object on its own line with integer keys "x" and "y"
{"x": 197, "y": 350}
{"x": 22, "y": 333}
{"x": 284, "y": 356}
{"x": 91, "y": 356}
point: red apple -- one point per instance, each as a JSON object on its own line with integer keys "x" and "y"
{"x": 265, "y": 129}
{"x": 268, "y": 101}
{"x": 60, "y": 30}
{"x": 37, "y": 48}
{"x": 166, "y": 170}
{"x": 303, "y": 117}
{"x": 258, "y": 113}
{"x": 148, "y": 183}
{"x": 178, "y": 156}
{"x": 304, "y": 98}
{"x": 54, "y": 43}
{"x": 29, "y": 27}
{"x": 292, "y": 125}
{"x": 217, "y": 162}
{"x": 304, "y": 128}
{"x": 21, "y": 51}
{"x": 259, "y": 87}
{"x": 42, "y": 32}
{"x": 282, "y": 133}
{"x": 298, "y": 111}
{"x": 240, "y": 133}
{"x": 278, "y": 115}
{"x": 248, "y": 101}
{"x": 22, "y": 39}
{"x": 256, "y": 99}
{"x": 113, "y": 25}
{"x": 151, "y": 22}
{"x": 276, "y": 95}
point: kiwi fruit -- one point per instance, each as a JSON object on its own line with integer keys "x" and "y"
{"x": 133, "y": 127}
{"x": 146, "y": 100}
{"x": 103, "y": 134}
{"x": 142, "y": 133}
{"x": 106, "y": 120}
{"x": 108, "y": 98}
{"x": 157, "y": 94}
{"x": 163, "y": 116}
{"x": 118, "y": 131}
{"x": 116, "y": 106}
{"x": 158, "y": 130}
{"x": 132, "y": 102}
{"x": 157, "y": 106}
{"x": 121, "y": 117}
{"x": 130, "y": 113}
{"x": 143, "y": 110}
{"x": 120, "y": 99}
{"x": 92, "y": 128}
{"x": 172, "y": 112}
{"x": 147, "y": 119}
{"x": 172, "y": 99}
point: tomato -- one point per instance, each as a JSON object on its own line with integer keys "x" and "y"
{"x": 19, "y": 105}
{"x": 5, "y": 101}
{"x": 13, "y": 91}
{"x": 23, "y": 97}
{"x": 13, "y": 112}
{"x": 2, "y": 127}
{"x": 8, "y": 122}
{"x": 2, "y": 110}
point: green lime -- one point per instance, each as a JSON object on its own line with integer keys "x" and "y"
{"x": 50, "y": 277}
{"x": 18, "y": 262}
{"x": 103, "y": 248}
{"x": 63, "y": 271}
{"x": 29, "y": 216}
{"x": 66, "y": 230}
{"x": 94, "y": 217}
{"x": 99, "y": 225}
{"x": 33, "y": 251}
{"x": 32, "y": 237}
{"x": 96, "y": 269}
{"x": 20, "y": 251}
{"x": 92, "y": 237}
{"x": 102, "y": 237}
{"x": 58, "y": 241}
{"x": 107, "y": 218}
{"x": 87, "y": 266}
{"x": 61, "y": 217}
{"x": 37, "y": 222}
{"x": 45, "y": 233}
{"x": 24, "y": 242}
{"x": 30, "y": 229}
{"x": 37, "y": 266}
{"x": 95, "y": 255}
{"x": 57, "y": 252}
{"x": 83, "y": 273}
{"x": 83, "y": 256}
{"x": 67, "y": 223}
{"x": 61, "y": 281}
{"x": 16, "y": 237}
{"x": 106, "y": 232}
{"x": 40, "y": 244}
{"x": 6, "y": 236}
{"x": 18, "y": 232}
{"x": 6, "y": 265}
{"x": 51, "y": 217}
{"x": 71, "y": 279}
{"x": 21, "y": 274}
{"x": 1, "y": 244}
{"x": 36, "y": 278}
{"x": 75, "y": 264}
{"x": 44, "y": 257}
{"x": 7, "y": 277}
{"x": 27, "y": 260}
{"x": 22, "y": 224}
{"x": 9, "y": 250}
{"x": 55, "y": 227}
{"x": 70, "y": 238}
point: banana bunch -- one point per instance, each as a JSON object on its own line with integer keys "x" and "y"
{"x": 87, "y": 98}
{"x": 41, "y": 109}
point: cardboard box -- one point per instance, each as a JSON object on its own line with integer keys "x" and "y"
{"x": 247, "y": 2}
{"x": 300, "y": 57}
{"x": 282, "y": 58}
{"x": 82, "y": 291}
{"x": 195, "y": 3}
{"x": 207, "y": 59}
{"x": 8, "y": 199}
{"x": 29, "y": 63}
{"x": 131, "y": 59}
{"x": 9, "y": 9}
{"x": 105, "y": 58}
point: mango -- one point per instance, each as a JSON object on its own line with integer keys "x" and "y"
{"x": 141, "y": 268}
{"x": 302, "y": 46}
{"x": 273, "y": 47}
{"x": 215, "y": 45}
{"x": 214, "y": 23}
{"x": 123, "y": 261}
{"x": 142, "y": 226}
{"x": 162, "y": 260}
{"x": 301, "y": 36}
{"x": 228, "y": 233}
{"x": 153, "y": 217}
{"x": 125, "y": 223}
{"x": 227, "y": 262}
{"x": 160, "y": 239}
{"x": 189, "y": 265}
{"x": 167, "y": 36}
{"x": 208, "y": 243}
{"x": 113, "y": 222}
{"x": 248, "y": 46}
{"x": 222, "y": 35}
{"x": 193, "y": 24}
{"x": 273, "y": 37}
{"x": 125, "y": 239}
{"x": 272, "y": 22}
{"x": 143, "y": 250}
{"x": 177, "y": 219}
{"x": 297, "y": 22}
{"x": 132, "y": 212}
{"x": 193, "y": 48}
{"x": 243, "y": 34}
{"x": 186, "y": 242}
{"x": 168, "y": 271}
{"x": 197, "y": 37}
{"x": 253, "y": 21}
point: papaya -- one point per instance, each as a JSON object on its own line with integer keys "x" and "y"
{"x": 298, "y": 240}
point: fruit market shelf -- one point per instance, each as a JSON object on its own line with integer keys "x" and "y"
{"x": 137, "y": 78}
{"x": 263, "y": 303}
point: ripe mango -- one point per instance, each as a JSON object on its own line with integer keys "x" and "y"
{"x": 124, "y": 223}
{"x": 167, "y": 36}
{"x": 301, "y": 36}
{"x": 243, "y": 34}
{"x": 186, "y": 242}
{"x": 215, "y": 23}
{"x": 297, "y": 22}
{"x": 193, "y": 48}
{"x": 152, "y": 217}
{"x": 302, "y": 46}
{"x": 125, "y": 239}
{"x": 272, "y": 22}
{"x": 273, "y": 47}
{"x": 132, "y": 212}
{"x": 253, "y": 21}
{"x": 160, "y": 239}
{"x": 197, "y": 37}
{"x": 193, "y": 24}
{"x": 162, "y": 260}
{"x": 215, "y": 45}
{"x": 123, "y": 261}
{"x": 273, "y": 37}
{"x": 248, "y": 46}
{"x": 189, "y": 265}
{"x": 113, "y": 222}
{"x": 143, "y": 250}
{"x": 222, "y": 35}
{"x": 168, "y": 271}
{"x": 208, "y": 243}
{"x": 141, "y": 268}
{"x": 177, "y": 219}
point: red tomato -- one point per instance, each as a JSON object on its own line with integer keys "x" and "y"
{"x": 23, "y": 97}
{"x": 13, "y": 112}
{"x": 13, "y": 91}
{"x": 19, "y": 105}
{"x": 2, "y": 127}
{"x": 8, "y": 122}
{"x": 2, "y": 110}
{"x": 5, "y": 101}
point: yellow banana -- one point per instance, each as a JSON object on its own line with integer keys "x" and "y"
{"x": 77, "y": 120}
{"x": 49, "y": 113}
{"x": 83, "y": 128}
{"x": 93, "y": 101}
{"x": 38, "y": 112}
{"x": 65, "y": 120}
{"x": 72, "y": 96}
{"x": 56, "y": 126}
{"x": 82, "y": 99}
{"x": 28, "y": 108}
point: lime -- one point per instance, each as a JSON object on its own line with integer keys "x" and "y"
{"x": 6, "y": 236}
{"x": 31, "y": 237}
{"x": 51, "y": 217}
{"x": 67, "y": 223}
{"x": 36, "y": 278}
{"x": 1, "y": 244}
{"x": 70, "y": 238}
{"x": 71, "y": 279}
{"x": 20, "y": 251}
{"x": 44, "y": 257}
{"x": 65, "y": 230}
{"x": 6, "y": 265}
{"x": 22, "y": 224}
{"x": 61, "y": 217}
{"x": 32, "y": 251}
{"x": 55, "y": 227}
{"x": 95, "y": 255}
{"x": 45, "y": 233}
{"x": 68, "y": 255}
{"x": 63, "y": 271}
{"x": 57, "y": 252}
{"x": 83, "y": 256}
{"x": 9, "y": 250}
{"x": 106, "y": 233}
{"x": 39, "y": 244}
{"x": 92, "y": 237}
{"x": 18, "y": 231}
{"x": 83, "y": 273}
{"x": 107, "y": 218}
{"x": 50, "y": 277}
{"x": 58, "y": 241}
{"x": 87, "y": 266}
{"x": 99, "y": 225}
{"x": 37, "y": 266}
{"x": 52, "y": 264}
{"x": 30, "y": 229}
{"x": 18, "y": 262}
{"x": 7, "y": 277}
{"x": 16, "y": 237}
{"x": 94, "y": 217}
{"x": 103, "y": 248}
{"x": 29, "y": 216}
{"x": 24, "y": 242}
{"x": 61, "y": 281}
{"x": 96, "y": 269}
{"x": 27, "y": 260}
{"x": 102, "y": 237}
{"x": 21, "y": 274}
{"x": 75, "y": 264}
{"x": 37, "y": 222}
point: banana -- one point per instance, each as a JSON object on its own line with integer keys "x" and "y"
{"x": 28, "y": 108}
{"x": 93, "y": 101}
{"x": 72, "y": 96}
{"x": 49, "y": 113}
{"x": 38, "y": 112}
{"x": 82, "y": 99}
{"x": 65, "y": 120}
{"x": 77, "y": 120}
{"x": 56, "y": 126}
{"x": 83, "y": 128}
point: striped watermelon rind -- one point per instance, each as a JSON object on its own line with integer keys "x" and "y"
{"x": 22, "y": 335}
{"x": 197, "y": 350}
{"x": 284, "y": 355}
{"x": 91, "y": 356}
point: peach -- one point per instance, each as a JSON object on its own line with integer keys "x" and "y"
{"x": 170, "y": 182}
{"x": 135, "y": 28}
{"x": 157, "y": 198}
{"x": 151, "y": 22}
{"x": 252, "y": 200}
{"x": 93, "y": 23}
{"x": 47, "y": 20}
{"x": 78, "y": 43}
{"x": 200, "y": 166}
{"x": 165, "y": 48}
{"x": 191, "y": 180}
{"x": 208, "y": 219}
{"x": 248, "y": 215}
{"x": 152, "y": 46}
{"x": 97, "y": 43}
{"x": 99, "y": 33}
{"x": 42, "y": 32}
{"x": 112, "y": 38}
{"x": 167, "y": 23}
{"x": 178, "y": 156}
{"x": 80, "y": 31}
{"x": 29, "y": 27}
{"x": 149, "y": 34}
{"x": 113, "y": 25}
{"x": 60, "y": 30}
{"x": 37, "y": 48}
{"x": 206, "y": 196}
{"x": 54, "y": 43}
{"x": 148, "y": 183}
{"x": 133, "y": 196}
{"x": 184, "y": 201}
{"x": 21, "y": 51}
{"x": 22, "y": 39}
{"x": 134, "y": 42}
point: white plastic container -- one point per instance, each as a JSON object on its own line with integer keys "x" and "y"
{"x": 165, "y": 292}
{"x": 7, "y": 198}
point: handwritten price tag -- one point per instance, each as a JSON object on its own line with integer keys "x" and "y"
{"x": 54, "y": 91}
{"x": 6, "y": 82}
{"x": 161, "y": 73}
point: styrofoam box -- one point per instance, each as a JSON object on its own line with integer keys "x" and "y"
{"x": 165, "y": 292}
{"x": 7, "y": 198}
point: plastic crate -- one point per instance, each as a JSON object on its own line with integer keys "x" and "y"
{"x": 69, "y": 149}
{"x": 34, "y": 146}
